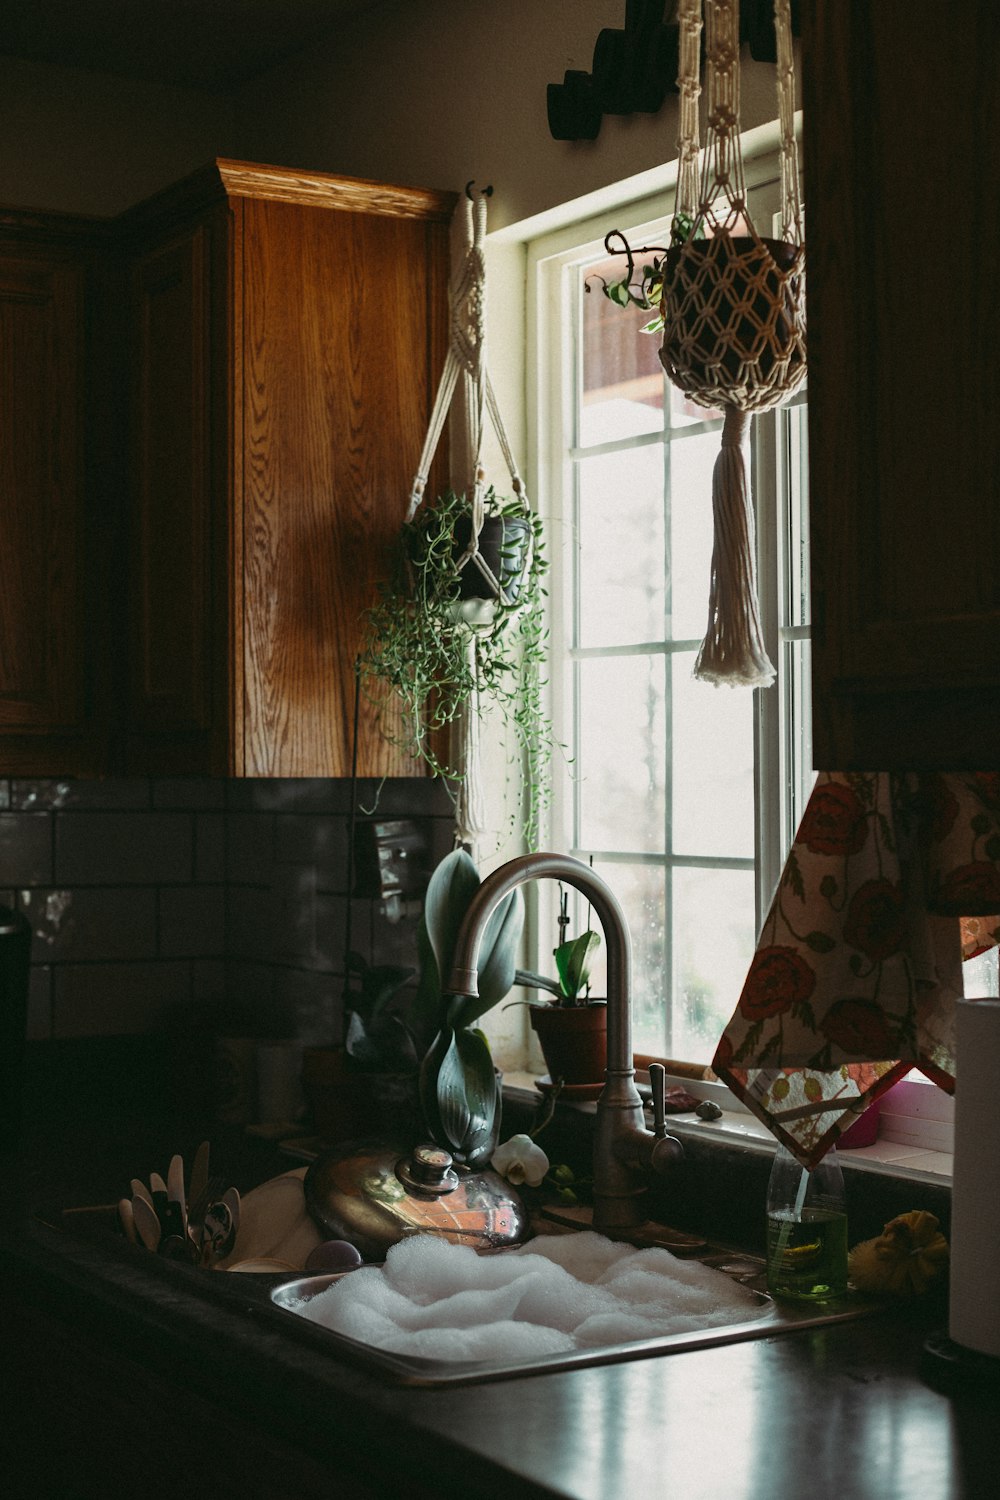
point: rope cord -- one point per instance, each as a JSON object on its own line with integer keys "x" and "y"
{"x": 791, "y": 199}
{"x": 722, "y": 163}
{"x": 689, "y": 87}
{"x": 722, "y": 173}
{"x": 466, "y": 376}
{"x": 733, "y": 312}
{"x": 466, "y": 360}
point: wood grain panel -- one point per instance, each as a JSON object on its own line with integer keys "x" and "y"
{"x": 323, "y": 190}
{"x": 337, "y": 351}
{"x": 172, "y": 583}
{"x": 902, "y": 124}
{"x": 42, "y": 626}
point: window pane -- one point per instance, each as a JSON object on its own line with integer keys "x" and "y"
{"x": 713, "y": 941}
{"x": 623, "y": 380}
{"x": 691, "y": 463}
{"x": 712, "y": 761}
{"x": 622, "y": 593}
{"x": 684, "y": 412}
{"x": 641, "y": 889}
{"x": 620, "y": 765}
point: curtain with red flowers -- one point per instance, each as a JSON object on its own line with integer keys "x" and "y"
{"x": 893, "y": 880}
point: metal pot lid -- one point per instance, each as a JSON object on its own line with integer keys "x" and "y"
{"x": 374, "y": 1194}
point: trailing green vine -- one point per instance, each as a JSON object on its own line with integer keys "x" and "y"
{"x": 427, "y": 650}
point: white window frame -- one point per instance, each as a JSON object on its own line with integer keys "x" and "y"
{"x": 552, "y": 326}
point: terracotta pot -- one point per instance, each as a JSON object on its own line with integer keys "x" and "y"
{"x": 573, "y": 1039}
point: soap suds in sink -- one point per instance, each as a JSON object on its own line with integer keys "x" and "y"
{"x": 440, "y": 1301}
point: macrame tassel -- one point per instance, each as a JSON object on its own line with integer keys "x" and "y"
{"x": 733, "y": 649}
{"x": 470, "y": 801}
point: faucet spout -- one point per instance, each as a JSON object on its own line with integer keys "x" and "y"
{"x": 623, "y": 1147}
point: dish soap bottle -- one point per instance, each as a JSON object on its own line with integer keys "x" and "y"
{"x": 806, "y": 1229}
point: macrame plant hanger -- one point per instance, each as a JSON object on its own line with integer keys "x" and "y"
{"x": 466, "y": 372}
{"x": 734, "y": 313}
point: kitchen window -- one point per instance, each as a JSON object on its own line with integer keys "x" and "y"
{"x": 684, "y": 796}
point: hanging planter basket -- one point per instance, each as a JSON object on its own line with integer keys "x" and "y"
{"x": 458, "y": 629}
{"x": 504, "y": 549}
{"x": 734, "y": 320}
{"x": 733, "y": 311}
{"x": 495, "y": 567}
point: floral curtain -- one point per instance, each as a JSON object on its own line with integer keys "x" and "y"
{"x": 893, "y": 880}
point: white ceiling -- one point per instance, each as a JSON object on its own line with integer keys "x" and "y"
{"x": 202, "y": 44}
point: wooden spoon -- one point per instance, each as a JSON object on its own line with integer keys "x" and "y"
{"x": 127, "y": 1220}
{"x": 140, "y": 1190}
{"x": 146, "y": 1222}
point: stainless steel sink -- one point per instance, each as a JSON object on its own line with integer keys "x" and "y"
{"x": 776, "y": 1318}
{"x": 272, "y": 1296}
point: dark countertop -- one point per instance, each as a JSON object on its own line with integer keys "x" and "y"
{"x": 108, "y": 1348}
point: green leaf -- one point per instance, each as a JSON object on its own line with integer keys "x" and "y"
{"x": 463, "y": 1080}
{"x": 574, "y": 960}
{"x": 449, "y": 892}
{"x": 497, "y": 963}
{"x": 532, "y": 981}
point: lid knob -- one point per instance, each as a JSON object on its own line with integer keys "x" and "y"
{"x": 428, "y": 1171}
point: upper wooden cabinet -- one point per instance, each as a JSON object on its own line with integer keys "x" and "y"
{"x": 57, "y": 516}
{"x": 287, "y": 331}
{"x": 210, "y": 414}
{"x": 902, "y": 149}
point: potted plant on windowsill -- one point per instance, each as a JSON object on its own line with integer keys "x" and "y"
{"x": 460, "y": 624}
{"x": 571, "y": 1028}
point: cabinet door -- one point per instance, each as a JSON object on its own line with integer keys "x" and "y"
{"x": 176, "y": 512}
{"x": 902, "y": 156}
{"x": 342, "y": 322}
{"x": 49, "y": 627}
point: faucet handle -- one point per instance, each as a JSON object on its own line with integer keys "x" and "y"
{"x": 658, "y": 1087}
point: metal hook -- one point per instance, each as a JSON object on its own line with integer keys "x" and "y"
{"x": 487, "y": 191}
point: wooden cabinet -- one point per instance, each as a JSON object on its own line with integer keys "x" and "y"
{"x": 288, "y": 331}
{"x": 56, "y": 507}
{"x": 902, "y": 154}
{"x": 219, "y": 402}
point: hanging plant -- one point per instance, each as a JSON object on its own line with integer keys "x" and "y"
{"x": 439, "y": 642}
{"x": 731, "y": 309}
{"x": 644, "y": 286}
{"x": 459, "y": 625}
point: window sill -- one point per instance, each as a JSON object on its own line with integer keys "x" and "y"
{"x": 737, "y": 1126}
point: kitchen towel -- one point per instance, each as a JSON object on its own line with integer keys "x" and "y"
{"x": 892, "y": 880}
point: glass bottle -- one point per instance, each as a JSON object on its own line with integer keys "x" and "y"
{"x": 806, "y": 1229}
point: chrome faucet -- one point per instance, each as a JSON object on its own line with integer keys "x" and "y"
{"x": 624, "y": 1150}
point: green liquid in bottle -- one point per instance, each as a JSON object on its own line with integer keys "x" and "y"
{"x": 807, "y": 1257}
